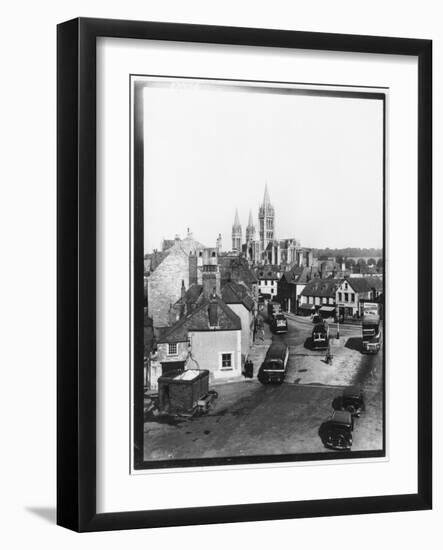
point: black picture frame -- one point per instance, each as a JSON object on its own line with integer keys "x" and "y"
{"x": 76, "y": 273}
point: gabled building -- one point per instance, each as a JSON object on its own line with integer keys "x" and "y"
{"x": 238, "y": 297}
{"x": 209, "y": 337}
{"x": 354, "y": 291}
{"x": 291, "y": 285}
{"x": 268, "y": 277}
{"x": 164, "y": 284}
{"x": 319, "y": 295}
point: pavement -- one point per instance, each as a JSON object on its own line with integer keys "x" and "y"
{"x": 251, "y": 419}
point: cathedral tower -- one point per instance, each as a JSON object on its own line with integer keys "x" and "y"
{"x": 266, "y": 219}
{"x": 236, "y": 234}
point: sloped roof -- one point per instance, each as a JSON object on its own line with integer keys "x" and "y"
{"x": 167, "y": 243}
{"x": 186, "y": 245}
{"x": 198, "y": 320}
{"x": 237, "y": 293}
{"x": 156, "y": 258}
{"x": 365, "y": 284}
{"x": 189, "y": 244}
{"x": 268, "y": 272}
{"x": 191, "y": 295}
{"x": 322, "y": 287}
{"x": 299, "y": 275}
{"x": 236, "y": 269}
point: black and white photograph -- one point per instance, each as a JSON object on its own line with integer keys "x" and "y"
{"x": 259, "y": 243}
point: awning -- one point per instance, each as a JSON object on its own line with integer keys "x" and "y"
{"x": 306, "y": 306}
{"x": 327, "y": 309}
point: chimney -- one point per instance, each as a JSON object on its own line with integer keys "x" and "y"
{"x": 182, "y": 290}
{"x": 211, "y": 282}
{"x": 213, "y": 312}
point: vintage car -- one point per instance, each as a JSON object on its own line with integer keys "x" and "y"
{"x": 316, "y": 318}
{"x": 336, "y": 431}
{"x": 352, "y": 400}
{"x": 273, "y": 368}
{"x": 279, "y": 324}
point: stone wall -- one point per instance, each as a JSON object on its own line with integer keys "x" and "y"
{"x": 164, "y": 285}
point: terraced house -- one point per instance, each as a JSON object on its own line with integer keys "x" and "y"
{"x": 319, "y": 295}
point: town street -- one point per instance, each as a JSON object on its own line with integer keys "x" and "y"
{"x": 251, "y": 419}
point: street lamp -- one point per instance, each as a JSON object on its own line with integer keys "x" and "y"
{"x": 338, "y": 324}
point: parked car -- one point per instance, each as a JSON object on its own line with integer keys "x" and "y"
{"x": 336, "y": 431}
{"x": 279, "y": 324}
{"x": 273, "y": 368}
{"x": 352, "y": 400}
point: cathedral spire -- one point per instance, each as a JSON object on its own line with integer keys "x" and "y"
{"x": 250, "y": 222}
{"x": 236, "y": 234}
{"x": 266, "y": 200}
{"x": 236, "y": 219}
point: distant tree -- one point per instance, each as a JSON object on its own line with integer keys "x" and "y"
{"x": 350, "y": 263}
{"x": 361, "y": 261}
{"x": 371, "y": 261}
{"x": 339, "y": 259}
{"x": 380, "y": 262}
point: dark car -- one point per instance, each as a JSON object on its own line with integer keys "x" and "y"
{"x": 336, "y": 431}
{"x": 352, "y": 400}
{"x": 279, "y": 324}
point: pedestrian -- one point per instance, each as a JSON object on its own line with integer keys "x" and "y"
{"x": 260, "y": 329}
{"x": 328, "y": 357}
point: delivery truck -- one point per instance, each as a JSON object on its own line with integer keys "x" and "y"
{"x": 371, "y": 333}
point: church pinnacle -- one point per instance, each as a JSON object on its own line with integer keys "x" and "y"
{"x": 236, "y": 219}
{"x": 236, "y": 234}
{"x": 250, "y": 229}
{"x": 266, "y": 200}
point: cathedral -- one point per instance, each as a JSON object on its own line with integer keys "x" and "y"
{"x": 264, "y": 247}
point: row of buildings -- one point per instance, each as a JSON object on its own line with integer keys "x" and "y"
{"x": 201, "y": 303}
{"x": 305, "y": 291}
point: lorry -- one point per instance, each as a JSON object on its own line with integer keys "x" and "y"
{"x": 273, "y": 309}
{"x": 371, "y": 333}
{"x": 320, "y": 335}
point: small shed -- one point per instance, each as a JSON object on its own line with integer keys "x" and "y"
{"x": 179, "y": 393}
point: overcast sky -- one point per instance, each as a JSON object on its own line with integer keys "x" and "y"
{"x": 209, "y": 151}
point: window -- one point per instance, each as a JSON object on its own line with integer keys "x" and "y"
{"x": 172, "y": 349}
{"x": 226, "y": 359}
{"x": 339, "y": 296}
{"x": 352, "y": 297}
{"x": 346, "y": 297}
{"x": 346, "y": 286}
